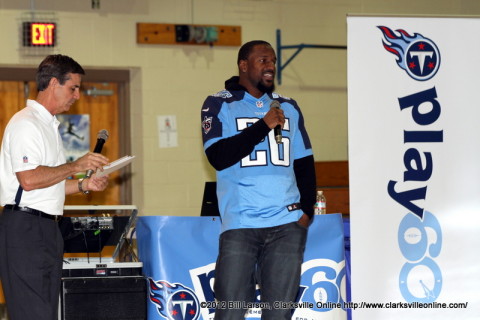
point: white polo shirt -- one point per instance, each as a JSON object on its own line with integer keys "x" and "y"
{"x": 32, "y": 139}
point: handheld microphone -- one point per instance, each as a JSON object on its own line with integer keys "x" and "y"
{"x": 277, "y": 130}
{"x": 102, "y": 136}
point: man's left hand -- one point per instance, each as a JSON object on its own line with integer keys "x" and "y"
{"x": 304, "y": 221}
{"x": 95, "y": 183}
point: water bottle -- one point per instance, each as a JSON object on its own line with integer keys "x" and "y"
{"x": 321, "y": 203}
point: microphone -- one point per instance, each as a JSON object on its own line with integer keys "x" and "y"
{"x": 277, "y": 130}
{"x": 102, "y": 136}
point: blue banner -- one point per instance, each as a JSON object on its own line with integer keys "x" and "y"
{"x": 179, "y": 254}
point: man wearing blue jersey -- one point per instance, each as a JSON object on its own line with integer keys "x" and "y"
{"x": 265, "y": 189}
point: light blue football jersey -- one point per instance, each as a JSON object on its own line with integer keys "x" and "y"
{"x": 260, "y": 190}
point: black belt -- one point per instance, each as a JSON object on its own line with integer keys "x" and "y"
{"x": 33, "y": 212}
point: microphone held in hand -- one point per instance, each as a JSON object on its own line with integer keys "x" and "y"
{"x": 102, "y": 136}
{"x": 277, "y": 130}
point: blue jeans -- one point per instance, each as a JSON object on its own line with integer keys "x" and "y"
{"x": 271, "y": 257}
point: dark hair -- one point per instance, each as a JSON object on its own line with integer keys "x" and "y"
{"x": 247, "y": 48}
{"x": 56, "y": 66}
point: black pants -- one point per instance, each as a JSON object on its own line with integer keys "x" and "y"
{"x": 31, "y": 252}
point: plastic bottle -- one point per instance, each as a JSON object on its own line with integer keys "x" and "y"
{"x": 321, "y": 203}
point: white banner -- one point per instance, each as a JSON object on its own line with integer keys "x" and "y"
{"x": 414, "y": 154}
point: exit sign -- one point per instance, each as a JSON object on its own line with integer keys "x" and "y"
{"x": 39, "y": 34}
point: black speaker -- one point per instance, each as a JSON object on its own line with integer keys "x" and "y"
{"x": 118, "y": 298}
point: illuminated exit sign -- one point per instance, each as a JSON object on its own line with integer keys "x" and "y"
{"x": 39, "y": 34}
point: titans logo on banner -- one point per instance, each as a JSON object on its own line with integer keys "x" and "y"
{"x": 419, "y": 232}
{"x": 417, "y": 55}
{"x": 174, "y": 301}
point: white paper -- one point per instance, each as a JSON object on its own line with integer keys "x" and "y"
{"x": 115, "y": 165}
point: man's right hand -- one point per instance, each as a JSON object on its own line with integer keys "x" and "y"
{"x": 274, "y": 117}
{"x": 91, "y": 161}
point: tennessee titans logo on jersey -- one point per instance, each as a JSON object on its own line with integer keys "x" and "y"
{"x": 174, "y": 301}
{"x": 207, "y": 124}
{"x": 278, "y": 95}
{"x": 223, "y": 94}
{"x": 417, "y": 55}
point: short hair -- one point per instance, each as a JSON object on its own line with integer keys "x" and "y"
{"x": 247, "y": 48}
{"x": 56, "y": 66}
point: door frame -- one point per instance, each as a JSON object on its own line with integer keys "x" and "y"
{"x": 93, "y": 74}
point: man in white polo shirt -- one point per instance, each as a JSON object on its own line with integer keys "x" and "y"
{"x": 33, "y": 185}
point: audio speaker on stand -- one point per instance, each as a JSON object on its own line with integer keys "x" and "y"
{"x": 95, "y": 298}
